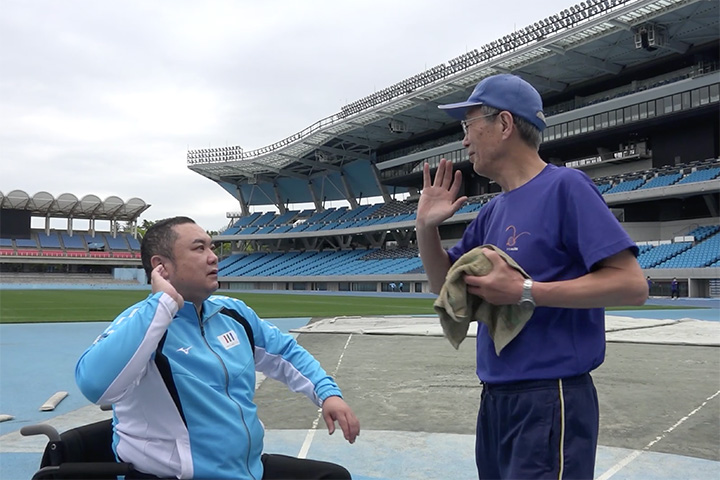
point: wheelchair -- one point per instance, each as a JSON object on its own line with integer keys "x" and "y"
{"x": 83, "y": 452}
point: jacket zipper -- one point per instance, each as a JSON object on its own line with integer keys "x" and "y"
{"x": 227, "y": 392}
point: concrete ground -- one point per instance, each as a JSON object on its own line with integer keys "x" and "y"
{"x": 417, "y": 397}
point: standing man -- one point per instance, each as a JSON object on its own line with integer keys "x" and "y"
{"x": 674, "y": 289}
{"x": 539, "y": 411}
{"x": 179, "y": 369}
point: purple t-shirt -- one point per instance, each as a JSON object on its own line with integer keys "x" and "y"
{"x": 556, "y": 226}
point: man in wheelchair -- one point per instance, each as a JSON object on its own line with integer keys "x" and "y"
{"x": 179, "y": 370}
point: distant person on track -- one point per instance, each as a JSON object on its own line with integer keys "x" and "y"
{"x": 179, "y": 368}
{"x": 674, "y": 289}
{"x": 538, "y": 410}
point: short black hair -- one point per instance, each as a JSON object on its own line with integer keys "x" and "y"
{"x": 159, "y": 239}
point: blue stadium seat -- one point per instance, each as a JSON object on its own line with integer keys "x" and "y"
{"x": 701, "y": 175}
{"x": 326, "y": 263}
{"x": 133, "y": 242}
{"x": 703, "y": 232}
{"x": 116, "y": 243}
{"x": 264, "y": 219}
{"x": 604, "y": 187}
{"x": 662, "y": 181}
{"x": 661, "y": 253}
{"x": 49, "y": 241}
{"x": 701, "y": 255}
{"x": 626, "y": 186}
{"x": 285, "y": 218}
{"x": 26, "y": 243}
{"x": 95, "y": 242}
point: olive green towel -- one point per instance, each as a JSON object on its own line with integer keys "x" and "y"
{"x": 457, "y": 308}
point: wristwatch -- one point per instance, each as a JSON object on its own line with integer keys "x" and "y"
{"x": 527, "y": 302}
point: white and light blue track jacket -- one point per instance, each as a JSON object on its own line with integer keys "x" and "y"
{"x": 182, "y": 387}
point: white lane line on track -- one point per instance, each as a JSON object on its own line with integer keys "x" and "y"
{"x": 311, "y": 433}
{"x": 625, "y": 461}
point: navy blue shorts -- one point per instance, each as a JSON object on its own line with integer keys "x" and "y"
{"x": 538, "y": 429}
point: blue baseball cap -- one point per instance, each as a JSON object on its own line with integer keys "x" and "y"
{"x": 504, "y": 92}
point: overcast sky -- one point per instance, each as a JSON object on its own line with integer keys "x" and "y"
{"x": 106, "y": 97}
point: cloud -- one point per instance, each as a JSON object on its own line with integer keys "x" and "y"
{"x": 106, "y": 98}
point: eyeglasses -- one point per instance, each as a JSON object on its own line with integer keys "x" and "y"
{"x": 467, "y": 122}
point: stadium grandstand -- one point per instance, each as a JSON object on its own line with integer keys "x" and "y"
{"x": 52, "y": 255}
{"x": 631, "y": 90}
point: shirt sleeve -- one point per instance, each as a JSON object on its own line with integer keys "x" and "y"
{"x": 279, "y": 356}
{"x": 590, "y": 229}
{"x": 119, "y": 357}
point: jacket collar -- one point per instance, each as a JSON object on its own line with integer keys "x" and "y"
{"x": 209, "y": 308}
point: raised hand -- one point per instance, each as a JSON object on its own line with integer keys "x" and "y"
{"x": 159, "y": 282}
{"x": 438, "y": 200}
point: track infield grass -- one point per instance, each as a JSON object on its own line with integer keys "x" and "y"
{"x": 39, "y": 306}
{"x": 36, "y": 306}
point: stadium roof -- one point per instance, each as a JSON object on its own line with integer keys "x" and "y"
{"x": 591, "y": 41}
{"x": 67, "y": 205}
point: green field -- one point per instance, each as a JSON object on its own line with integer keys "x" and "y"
{"x": 36, "y": 306}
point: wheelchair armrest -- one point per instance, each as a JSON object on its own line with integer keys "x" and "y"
{"x": 84, "y": 470}
{"x": 41, "y": 429}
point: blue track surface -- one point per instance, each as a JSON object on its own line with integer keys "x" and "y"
{"x": 38, "y": 360}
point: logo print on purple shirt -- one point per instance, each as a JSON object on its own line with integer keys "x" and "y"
{"x": 512, "y": 239}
